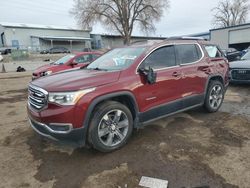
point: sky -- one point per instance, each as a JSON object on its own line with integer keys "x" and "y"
{"x": 182, "y": 18}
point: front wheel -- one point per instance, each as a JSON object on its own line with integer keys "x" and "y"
{"x": 215, "y": 96}
{"x": 110, "y": 127}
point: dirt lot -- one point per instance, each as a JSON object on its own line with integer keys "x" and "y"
{"x": 35, "y": 57}
{"x": 192, "y": 149}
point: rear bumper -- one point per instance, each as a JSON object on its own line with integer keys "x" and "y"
{"x": 73, "y": 136}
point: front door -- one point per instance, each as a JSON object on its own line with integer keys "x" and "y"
{"x": 161, "y": 97}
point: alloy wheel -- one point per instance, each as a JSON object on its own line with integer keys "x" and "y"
{"x": 216, "y": 97}
{"x": 113, "y": 128}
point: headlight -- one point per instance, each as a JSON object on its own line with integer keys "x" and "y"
{"x": 47, "y": 73}
{"x": 68, "y": 98}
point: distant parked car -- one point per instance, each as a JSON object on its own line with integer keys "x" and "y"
{"x": 240, "y": 70}
{"x": 67, "y": 62}
{"x": 5, "y": 51}
{"x": 55, "y": 50}
{"x": 232, "y": 54}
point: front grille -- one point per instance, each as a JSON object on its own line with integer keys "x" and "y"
{"x": 37, "y": 98}
{"x": 241, "y": 74}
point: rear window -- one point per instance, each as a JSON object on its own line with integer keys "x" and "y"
{"x": 188, "y": 53}
{"x": 213, "y": 51}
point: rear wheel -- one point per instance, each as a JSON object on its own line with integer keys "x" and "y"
{"x": 214, "y": 96}
{"x": 110, "y": 127}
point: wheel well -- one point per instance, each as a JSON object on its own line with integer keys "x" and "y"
{"x": 125, "y": 100}
{"x": 218, "y": 78}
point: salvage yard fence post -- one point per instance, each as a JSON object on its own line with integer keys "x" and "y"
{"x": 3, "y": 69}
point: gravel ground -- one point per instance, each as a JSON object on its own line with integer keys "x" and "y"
{"x": 192, "y": 149}
{"x": 34, "y": 57}
{"x": 30, "y": 64}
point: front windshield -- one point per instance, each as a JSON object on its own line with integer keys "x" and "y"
{"x": 246, "y": 56}
{"x": 117, "y": 59}
{"x": 64, "y": 59}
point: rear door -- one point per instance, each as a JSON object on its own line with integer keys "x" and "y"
{"x": 191, "y": 59}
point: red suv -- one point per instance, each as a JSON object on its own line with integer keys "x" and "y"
{"x": 127, "y": 88}
{"x": 70, "y": 61}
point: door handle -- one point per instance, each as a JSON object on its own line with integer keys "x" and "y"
{"x": 176, "y": 74}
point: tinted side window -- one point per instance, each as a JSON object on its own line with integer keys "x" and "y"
{"x": 161, "y": 58}
{"x": 213, "y": 51}
{"x": 83, "y": 59}
{"x": 95, "y": 56}
{"x": 188, "y": 53}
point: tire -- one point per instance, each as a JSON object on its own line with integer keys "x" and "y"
{"x": 214, "y": 96}
{"x": 110, "y": 127}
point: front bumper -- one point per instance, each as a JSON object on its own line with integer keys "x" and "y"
{"x": 239, "y": 76}
{"x": 73, "y": 136}
{"x": 239, "y": 81}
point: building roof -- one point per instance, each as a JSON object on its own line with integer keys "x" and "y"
{"x": 234, "y": 26}
{"x": 38, "y": 26}
{"x": 199, "y": 34}
{"x": 64, "y": 38}
{"x": 139, "y": 37}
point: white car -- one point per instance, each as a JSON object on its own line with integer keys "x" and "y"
{"x": 240, "y": 70}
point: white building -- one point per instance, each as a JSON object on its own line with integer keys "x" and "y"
{"x": 232, "y": 37}
{"x": 39, "y": 37}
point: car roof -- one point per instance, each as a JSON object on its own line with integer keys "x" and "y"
{"x": 155, "y": 44}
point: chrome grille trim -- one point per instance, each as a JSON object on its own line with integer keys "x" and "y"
{"x": 35, "y": 99}
{"x": 240, "y": 74}
{"x": 38, "y": 97}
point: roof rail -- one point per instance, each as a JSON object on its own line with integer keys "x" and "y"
{"x": 185, "y": 38}
{"x": 140, "y": 41}
{"x": 145, "y": 42}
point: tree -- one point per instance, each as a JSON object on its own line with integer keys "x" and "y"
{"x": 230, "y": 13}
{"x": 120, "y": 15}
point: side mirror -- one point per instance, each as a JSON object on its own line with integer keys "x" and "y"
{"x": 73, "y": 63}
{"x": 238, "y": 58}
{"x": 149, "y": 74}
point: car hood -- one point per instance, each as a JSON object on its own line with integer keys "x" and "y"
{"x": 76, "y": 80}
{"x": 243, "y": 64}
